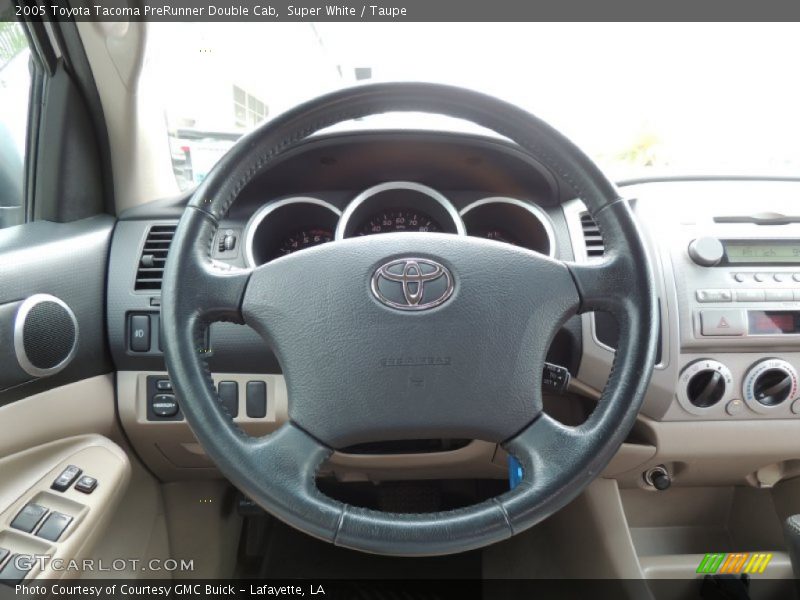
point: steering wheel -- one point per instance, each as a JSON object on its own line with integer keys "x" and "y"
{"x": 409, "y": 336}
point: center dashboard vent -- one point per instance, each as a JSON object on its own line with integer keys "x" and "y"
{"x": 591, "y": 236}
{"x": 154, "y": 257}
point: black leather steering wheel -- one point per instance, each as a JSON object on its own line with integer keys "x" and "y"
{"x": 347, "y": 355}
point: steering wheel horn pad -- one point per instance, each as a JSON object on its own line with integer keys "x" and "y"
{"x": 359, "y": 370}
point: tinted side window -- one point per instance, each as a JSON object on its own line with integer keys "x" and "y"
{"x": 15, "y": 82}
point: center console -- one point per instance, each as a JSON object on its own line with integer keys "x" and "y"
{"x": 738, "y": 290}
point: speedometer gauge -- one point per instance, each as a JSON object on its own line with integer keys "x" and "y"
{"x": 399, "y": 220}
{"x": 501, "y": 235}
{"x": 305, "y": 238}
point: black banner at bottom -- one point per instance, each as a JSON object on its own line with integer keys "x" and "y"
{"x": 417, "y": 589}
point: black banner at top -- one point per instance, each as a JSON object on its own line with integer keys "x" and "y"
{"x": 401, "y": 10}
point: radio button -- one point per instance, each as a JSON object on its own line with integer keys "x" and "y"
{"x": 714, "y": 296}
{"x": 760, "y": 277}
{"x": 740, "y": 277}
{"x": 796, "y": 276}
{"x": 750, "y": 296}
{"x": 780, "y": 277}
{"x": 722, "y": 322}
{"x": 779, "y": 295}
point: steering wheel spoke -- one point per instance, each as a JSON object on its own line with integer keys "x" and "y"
{"x": 223, "y": 290}
{"x": 601, "y": 286}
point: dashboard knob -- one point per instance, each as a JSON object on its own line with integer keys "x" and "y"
{"x": 706, "y": 251}
{"x": 704, "y": 384}
{"x": 769, "y": 383}
{"x": 706, "y": 388}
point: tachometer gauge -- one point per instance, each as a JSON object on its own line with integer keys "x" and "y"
{"x": 399, "y": 220}
{"x": 305, "y": 238}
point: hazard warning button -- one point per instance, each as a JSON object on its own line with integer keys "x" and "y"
{"x": 723, "y": 322}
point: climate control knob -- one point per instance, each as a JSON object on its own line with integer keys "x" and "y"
{"x": 704, "y": 384}
{"x": 769, "y": 384}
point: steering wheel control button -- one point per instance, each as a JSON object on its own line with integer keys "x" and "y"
{"x": 714, "y": 296}
{"x": 723, "y": 322}
{"x": 706, "y": 251}
{"x": 164, "y": 405}
{"x": 68, "y": 476}
{"x": 29, "y": 517}
{"x": 412, "y": 284}
{"x": 703, "y": 384}
{"x": 750, "y": 296}
{"x": 15, "y": 570}
{"x": 734, "y": 407}
{"x": 769, "y": 384}
{"x": 140, "y": 333}
{"x": 54, "y": 526}
{"x": 256, "y": 399}
{"x": 228, "y": 393}
{"x": 86, "y": 484}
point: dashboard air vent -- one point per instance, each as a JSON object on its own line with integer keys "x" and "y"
{"x": 154, "y": 256}
{"x": 591, "y": 236}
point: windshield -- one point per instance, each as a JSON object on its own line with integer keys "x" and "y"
{"x": 638, "y": 98}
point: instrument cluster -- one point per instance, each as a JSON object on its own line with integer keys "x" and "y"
{"x": 294, "y": 224}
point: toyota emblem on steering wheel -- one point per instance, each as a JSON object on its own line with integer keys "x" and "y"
{"x": 412, "y": 284}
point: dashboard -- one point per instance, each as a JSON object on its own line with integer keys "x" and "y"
{"x": 725, "y": 254}
{"x": 295, "y": 223}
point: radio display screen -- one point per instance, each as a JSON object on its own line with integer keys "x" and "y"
{"x": 773, "y": 322}
{"x": 758, "y": 252}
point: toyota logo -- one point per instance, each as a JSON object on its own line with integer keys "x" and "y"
{"x": 412, "y": 284}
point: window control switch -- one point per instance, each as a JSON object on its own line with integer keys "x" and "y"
{"x": 28, "y": 518}
{"x": 54, "y": 526}
{"x": 68, "y": 476}
{"x": 86, "y": 484}
{"x": 13, "y": 572}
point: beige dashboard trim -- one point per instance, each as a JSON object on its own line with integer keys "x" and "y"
{"x": 171, "y": 451}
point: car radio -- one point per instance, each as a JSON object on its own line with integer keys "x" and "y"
{"x": 744, "y": 287}
{"x": 711, "y": 251}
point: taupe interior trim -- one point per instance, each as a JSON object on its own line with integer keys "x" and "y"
{"x": 82, "y": 407}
